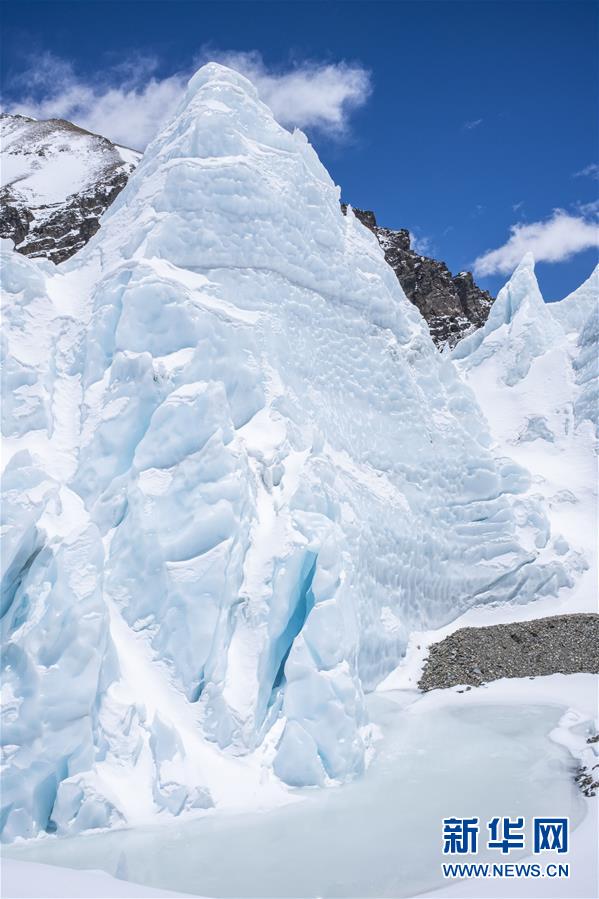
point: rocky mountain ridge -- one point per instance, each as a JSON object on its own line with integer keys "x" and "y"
{"x": 453, "y": 305}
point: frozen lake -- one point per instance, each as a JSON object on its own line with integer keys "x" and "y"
{"x": 379, "y": 836}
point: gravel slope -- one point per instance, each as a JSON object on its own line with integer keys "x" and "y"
{"x": 564, "y": 644}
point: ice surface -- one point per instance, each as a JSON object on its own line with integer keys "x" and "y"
{"x": 26, "y": 379}
{"x": 574, "y": 310}
{"x": 520, "y": 311}
{"x": 381, "y": 835}
{"x": 586, "y": 367}
{"x": 24, "y": 880}
{"x": 267, "y": 478}
{"x": 25, "y": 492}
{"x": 55, "y": 660}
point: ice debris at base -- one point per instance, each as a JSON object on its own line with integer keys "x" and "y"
{"x": 241, "y": 474}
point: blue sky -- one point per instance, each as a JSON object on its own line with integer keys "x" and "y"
{"x": 458, "y": 120}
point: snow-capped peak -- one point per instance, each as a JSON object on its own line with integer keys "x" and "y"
{"x": 56, "y": 181}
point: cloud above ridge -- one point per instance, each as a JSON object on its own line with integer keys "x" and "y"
{"x": 554, "y": 239}
{"x": 129, "y": 103}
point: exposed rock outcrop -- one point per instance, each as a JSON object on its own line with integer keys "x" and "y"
{"x": 453, "y": 305}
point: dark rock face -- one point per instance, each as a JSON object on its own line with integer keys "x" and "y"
{"x": 452, "y": 305}
{"x": 58, "y": 180}
{"x": 65, "y": 228}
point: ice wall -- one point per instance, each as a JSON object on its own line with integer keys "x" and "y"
{"x": 277, "y": 475}
{"x": 586, "y": 368}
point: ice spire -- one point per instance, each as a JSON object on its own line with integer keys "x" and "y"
{"x": 519, "y": 326}
{"x": 574, "y": 310}
{"x": 223, "y": 168}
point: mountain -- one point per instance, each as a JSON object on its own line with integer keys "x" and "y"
{"x": 239, "y": 475}
{"x": 57, "y": 180}
{"x": 453, "y": 305}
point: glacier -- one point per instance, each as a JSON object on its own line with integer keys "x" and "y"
{"x": 239, "y": 474}
{"x": 533, "y": 368}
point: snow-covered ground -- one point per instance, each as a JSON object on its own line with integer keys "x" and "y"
{"x": 579, "y": 696}
{"x": 25, "y": 880}
{"x": 509, "y": 748}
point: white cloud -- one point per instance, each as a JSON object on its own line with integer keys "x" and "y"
{"x": 555, "y": 239}
{"x": 309, "y": 95}
{"x": 421, "y": 244}
{"x": 590, "y": 171}
{"x": 130, "y": 102}
{"x": 469, "y": 126}
{"x": 589, "y": 210}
